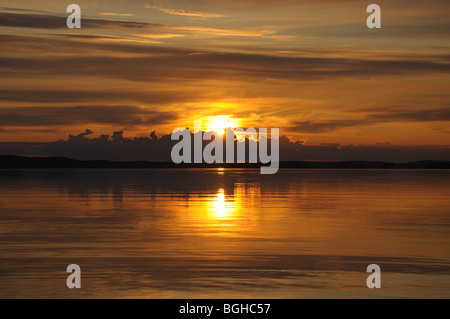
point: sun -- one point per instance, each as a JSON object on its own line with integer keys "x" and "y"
{"x": 219, "y": 123}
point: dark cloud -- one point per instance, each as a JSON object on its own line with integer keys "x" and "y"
{"x": 375, "y": 152}
{"x": 442, "y": 115}
{"x": 153, "y": 148}
{"x": 86, "y": 133}
{"x": 323, "y": 126}
{"x": 217, "y": 66}
{"x": 80, "y": 45}
{"x": 48, "y": 116}
{"x": 23, "y": 10}
{"x": 156, "y": 63}
{"x": 58, "y": 96}
{"x": 50, "y": 21}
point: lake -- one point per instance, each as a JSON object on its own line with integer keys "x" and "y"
{"x": 224, "y": 233}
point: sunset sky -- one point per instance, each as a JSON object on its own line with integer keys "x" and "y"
{"x": 311, "y": 68}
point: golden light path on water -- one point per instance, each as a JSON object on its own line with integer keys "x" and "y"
{"x": 221, "y": 208}
{"x": 224, "y": 232}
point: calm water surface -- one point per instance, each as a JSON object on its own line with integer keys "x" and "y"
{"x": 224, "y": 233}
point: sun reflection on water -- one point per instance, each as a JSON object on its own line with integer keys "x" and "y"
{"x": 222, "y": 207}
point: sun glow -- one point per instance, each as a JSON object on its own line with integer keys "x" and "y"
{"x": 220, "y": 122}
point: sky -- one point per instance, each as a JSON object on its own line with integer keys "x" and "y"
{"x": 311, "y": 68}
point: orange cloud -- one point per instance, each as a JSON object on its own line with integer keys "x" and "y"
{"x": 187, "y": 13}
{"x": 116, "y": 14}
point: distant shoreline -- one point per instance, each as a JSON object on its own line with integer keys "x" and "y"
{"x": 11, "y": 162}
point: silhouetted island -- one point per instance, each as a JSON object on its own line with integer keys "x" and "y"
{"x": 9, "y": 162}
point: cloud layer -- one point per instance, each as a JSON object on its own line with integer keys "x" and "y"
{"x": 312, "y": 69}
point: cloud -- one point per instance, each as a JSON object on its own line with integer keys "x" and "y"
{"x": 154, "y": 64}
{"x": 116, "y": 14}
{"x": 322, "y": 126}
{"x": 290, "y": 150}
{"x": 154, "y": 148}
{"x": 67, "y": 115}
{"x": 187, "y": 13}
{"x": 105, "y": 38}
{"x": 86, "y": 133}
{"x": 51, "y": 21}
{"x": 230, "y": 32}
{"x": 360, "y": 54}
{"x": 439, "y": 115}
{"x": 150, "y": 97}
{"x": 120, "y": 67}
